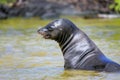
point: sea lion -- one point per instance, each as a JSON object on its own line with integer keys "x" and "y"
{"x": 78, "y": 49}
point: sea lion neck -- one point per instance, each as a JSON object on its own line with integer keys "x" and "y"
{"x": 65, "y": 41}
{"x": 63, "y": 38}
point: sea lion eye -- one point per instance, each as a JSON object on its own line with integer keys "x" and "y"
{"x": 50, "y": 29}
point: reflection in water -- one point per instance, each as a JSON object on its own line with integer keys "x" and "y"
{"x": 25, "y": 55}
{"x": 8, "y": 48}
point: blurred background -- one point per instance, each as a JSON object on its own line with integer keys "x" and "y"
{"x": 46, "y": 9}
{"x": 25, "y": 55}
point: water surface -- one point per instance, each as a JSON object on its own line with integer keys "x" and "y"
{"x": 25, "y": 55}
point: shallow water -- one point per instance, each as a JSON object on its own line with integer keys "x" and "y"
{"x": 25, "y": 55}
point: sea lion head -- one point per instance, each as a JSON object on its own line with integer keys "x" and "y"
{"x": 58, "y": 29}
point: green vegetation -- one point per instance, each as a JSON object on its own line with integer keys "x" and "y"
{"x": 116, "y": 5}
{"x": 6, "y": 1}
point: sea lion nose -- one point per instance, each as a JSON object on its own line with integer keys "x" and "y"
{"x": 39, "y": 30}
{"x": 42, "y": 30}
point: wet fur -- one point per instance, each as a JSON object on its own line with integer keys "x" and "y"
{"x": 78, "y": 49}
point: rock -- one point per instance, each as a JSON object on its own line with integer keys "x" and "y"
{"x": 3, "y": 11}
{"x": 70, "y": 11}
{"x": 50, "y": 15}
{"x": 3, "y": 15}
{"x": 13, "y": 12}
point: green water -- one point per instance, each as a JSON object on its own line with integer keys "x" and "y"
{"x": 25, "y": 55}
